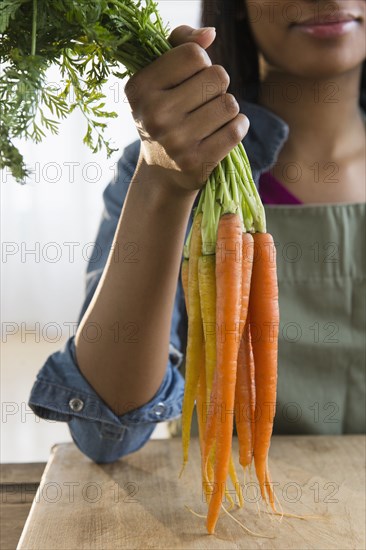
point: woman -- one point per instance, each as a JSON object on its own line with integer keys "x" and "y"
{"x": 296, "y": 71}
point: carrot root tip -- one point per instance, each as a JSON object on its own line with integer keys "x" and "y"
{"x": 182, "y": 470}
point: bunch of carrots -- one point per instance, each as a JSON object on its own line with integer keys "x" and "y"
{"x": 230, "y": 285}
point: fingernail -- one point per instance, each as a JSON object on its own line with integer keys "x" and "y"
{"x": 202, "y": 31}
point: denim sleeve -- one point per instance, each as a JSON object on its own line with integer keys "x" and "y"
{"x": 62, "y": 393}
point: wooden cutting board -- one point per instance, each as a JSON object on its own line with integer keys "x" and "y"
{"x": 139, "y": 502}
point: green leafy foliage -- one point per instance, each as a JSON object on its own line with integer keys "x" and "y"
{"x": 88, "y": 40}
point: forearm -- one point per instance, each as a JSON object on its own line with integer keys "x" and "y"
{"x": 132, "y": 306}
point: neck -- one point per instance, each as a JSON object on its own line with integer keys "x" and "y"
{"x": 323, "y": 115}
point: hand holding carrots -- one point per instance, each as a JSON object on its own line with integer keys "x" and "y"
{"x": 185, "y": 131}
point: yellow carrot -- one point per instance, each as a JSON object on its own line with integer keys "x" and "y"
{"x": 195, "y": 337}
{"x": 207, "y": 289}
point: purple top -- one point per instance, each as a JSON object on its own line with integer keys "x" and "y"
{"x": 273, "y": 192}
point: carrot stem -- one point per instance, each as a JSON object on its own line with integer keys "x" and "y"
{"x": 34, "y": 28}
{"x": 196, "y": 211}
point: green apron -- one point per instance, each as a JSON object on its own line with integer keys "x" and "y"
{"x": 321, "y": 277}
{"x": 321, "y": 360}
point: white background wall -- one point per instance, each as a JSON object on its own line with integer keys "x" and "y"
{"x": 56, "y": 206}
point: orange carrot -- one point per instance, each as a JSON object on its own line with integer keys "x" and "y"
{"x": 207, "y": 469}
{"x": 251, "y": 375}
{"x": 228, "y": 305}
{"x": 246, "y": 275}
{"x": 243, "y": 383}
{"x": 207, "y": 290}
{"x": 195, "y": 337}
{"x": 264, "y": 319}
{"x": 245, "y": 399}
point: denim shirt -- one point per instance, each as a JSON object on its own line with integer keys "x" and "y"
{"x": 62, "y": 393}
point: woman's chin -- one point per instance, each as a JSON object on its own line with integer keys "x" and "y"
{"x": 328, "y": 68}
{"x": 318, "y": 67}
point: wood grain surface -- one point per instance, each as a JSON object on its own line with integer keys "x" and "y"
{"x": 139, "y": 502}
{"x": 18, "y": 486}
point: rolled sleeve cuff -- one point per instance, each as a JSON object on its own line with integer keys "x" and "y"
{"x": 62, "y": 393}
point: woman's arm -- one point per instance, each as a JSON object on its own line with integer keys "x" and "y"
{"x": 187, "y": 124}
{"x": 132, "y": 306}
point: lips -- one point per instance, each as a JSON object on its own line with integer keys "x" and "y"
{"x": 329, "y": 19}
{"x": 328, "y": 25}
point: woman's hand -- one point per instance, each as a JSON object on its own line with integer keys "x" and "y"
{"x": 186, "y": 120}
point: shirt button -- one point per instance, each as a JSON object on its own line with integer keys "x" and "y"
{"x": 174, "y": 359}
{"x": 159, "y": 409}
{"x": 76, "y": 404}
